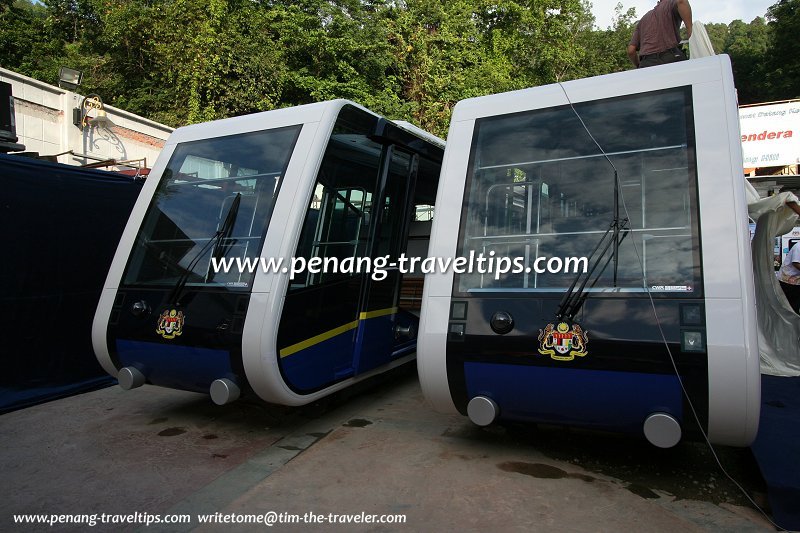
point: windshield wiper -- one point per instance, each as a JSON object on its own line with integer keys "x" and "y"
{"x": 221, "y": 247}
{"x": 223, "y": 235}
{"x": 573, "y": 300}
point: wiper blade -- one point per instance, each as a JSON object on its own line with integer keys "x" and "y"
{"x": 573, "y": 300}
{"x": 217, "y": 241}
{"x": 223, "y": 235}
{"x": 583, "y": 295}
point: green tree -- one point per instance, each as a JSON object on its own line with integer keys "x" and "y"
{"x": 179, "y": 62}
{"x": 184, "y": 61}
{"x": 213, "y": 59}
{"x": 541, "y": 38}
{"x": 331, "y": 49}
{"x": 443, "y": 53}
{"x": 26, "y": 42}
{"x": 747, "y": 46}
{"x": 71, "y": 20}
{"x": 718, "y": 35}
{"x": 783, "y": 51}
{"x": 605, "y": 50}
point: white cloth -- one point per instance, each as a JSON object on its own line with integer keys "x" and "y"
{"x": 699, "y": 43}
{"x": 778, "y": 325}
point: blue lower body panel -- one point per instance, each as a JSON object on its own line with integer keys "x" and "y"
{"x": 355, "y": 351}
{"x": 178, "y": 367}
{"x": 374, "y": 343}
{"x": 777, "y": 447}
{"x": 319, "y": 365}
{"x": 599, "y": 399}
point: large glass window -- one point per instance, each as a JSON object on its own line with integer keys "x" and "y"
{"x": 539, "y": 187}
{"x": 338, "y": 219}
{"x": 214, "y": 201}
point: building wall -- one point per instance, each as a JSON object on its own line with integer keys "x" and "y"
{"x": 44, "y": 121}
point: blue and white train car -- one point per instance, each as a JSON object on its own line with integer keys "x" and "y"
{"x": 640, "y": 174}
{"x": 329, "y": 184}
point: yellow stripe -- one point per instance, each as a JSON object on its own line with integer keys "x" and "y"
{"x": 294, "y": 348}
{"x": 376, "y": 314}
{"x": 302, "y": 345}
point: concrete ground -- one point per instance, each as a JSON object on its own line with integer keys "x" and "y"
{"x": 376, "y": 449}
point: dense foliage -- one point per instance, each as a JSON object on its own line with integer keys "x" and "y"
{"x": 185, "y": 61}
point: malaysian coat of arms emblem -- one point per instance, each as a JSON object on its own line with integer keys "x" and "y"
{"x": 563, "y": 343}
{"x": 170, "y": 323}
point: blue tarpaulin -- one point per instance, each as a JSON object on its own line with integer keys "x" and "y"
{"x": 61, "y": 225}
{"x": 777, "y": 448}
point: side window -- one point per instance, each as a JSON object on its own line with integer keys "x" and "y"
{"x": 336, "y": 226}
{"x": 392, "y": 213}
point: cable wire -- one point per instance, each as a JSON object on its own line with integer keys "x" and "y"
{"x": 661, "y": 330}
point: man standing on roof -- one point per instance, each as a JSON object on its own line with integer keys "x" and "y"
{"x": 657, "y": 35}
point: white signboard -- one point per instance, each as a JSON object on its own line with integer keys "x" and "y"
{"x": 770, "y": 134}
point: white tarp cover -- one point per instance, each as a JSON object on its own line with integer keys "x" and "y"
{"x": 778, "y": 325}
{"x": 699, "y": 43}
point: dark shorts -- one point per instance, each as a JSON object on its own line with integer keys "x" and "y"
{"x": 662, "y": 58}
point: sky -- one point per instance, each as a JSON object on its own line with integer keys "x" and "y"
{"x": 705, "y": 11}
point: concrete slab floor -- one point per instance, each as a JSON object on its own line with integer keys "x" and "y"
{"x": 376, "y": 449}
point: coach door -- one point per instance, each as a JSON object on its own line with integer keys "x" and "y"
{"x": 391, "y": 212}
{"x": 337, "y": 321}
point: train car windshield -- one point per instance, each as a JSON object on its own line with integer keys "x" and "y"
{"x": 214, "y": 200}
{"x": 540, "y": 189}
